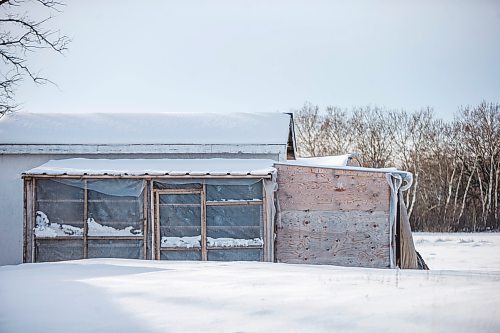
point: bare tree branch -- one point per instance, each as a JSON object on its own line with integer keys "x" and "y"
{"x": 21, "y": 36}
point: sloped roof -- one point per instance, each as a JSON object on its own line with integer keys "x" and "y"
{"x": 144, "y": 128}
{"x": 155, "y": 167}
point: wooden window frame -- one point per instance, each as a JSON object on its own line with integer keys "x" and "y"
{"x": 156, "y": 248}
{"x": 31, "y": 207}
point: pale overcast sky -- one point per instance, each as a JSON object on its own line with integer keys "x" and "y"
{"x": 253, "y": 56}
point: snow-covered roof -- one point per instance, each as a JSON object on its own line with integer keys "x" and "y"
{"x": 340, "y": 163}
{"x": 324, "y": 161}
{"x": 144, "y": 128}
{"x": 155, "y": 167}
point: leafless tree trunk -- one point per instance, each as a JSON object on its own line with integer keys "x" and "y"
{"x": 456, "y": 165}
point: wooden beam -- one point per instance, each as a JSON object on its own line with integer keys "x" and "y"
{"x": 156, "y": 232}
{"x": 113, "y": 237}
{"x": 152, "y": 218}
{"x": 179, "y": 191}
{"x": 204, "y": 251}
{"x": 145, "y": 224}
{"x": 61, "y": 238}
{"x": 85, "y": 224}
{"x": 33, "y": 219}
{"x": 234, "y": 203}
{"x": 28, "y": 223}
{"x": 265, "y": 235}
{"x": 149, "y": 177}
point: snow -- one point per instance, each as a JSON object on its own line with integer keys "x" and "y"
{"x": 186, "y": 241}
{"x": 158, "y": 167}
{"x": 96, "y": 229}
{"x": 233, "y": 242}
{"x": 144, "y": 128}
{"x": 236, "y": 200}
{"x": 408, "y": 176}
{"x": 116, "y": 295}
{"x": 326, "y": 161}
{"x": 195, "y": 242}
{"x": 462, "y": 251}
{"x": 44, "y": 228}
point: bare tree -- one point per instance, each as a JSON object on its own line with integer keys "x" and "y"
{"x": 338, "y": 132}
{"x": 20, "y": 36}
{"x": 309, "y": 127}
{"x": 456, "y": 165}
{"x": 374, "y": 136}
{"x": 480, "y": 126}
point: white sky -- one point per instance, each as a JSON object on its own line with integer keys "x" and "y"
{"x": 270, "y": 56}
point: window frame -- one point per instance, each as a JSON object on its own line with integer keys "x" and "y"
{"x": 204, "y": 203}
{"x": 85, "y": 237}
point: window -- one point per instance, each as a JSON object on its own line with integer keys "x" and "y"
{"x": 211, "y": 221}
{"x": 77, "y": 219}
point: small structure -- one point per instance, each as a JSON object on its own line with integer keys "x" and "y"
{"x": 345, "y": 216}
{"x": 234, "y": 193}
{"x": 28, "y": 140}
{"x": 215, "y": 209}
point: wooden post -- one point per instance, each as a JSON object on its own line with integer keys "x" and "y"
{"x": 203, "y": 201}
{"x": 152, "y": 220}
{"x": 265, "y": 224}
{"x": 33, "y": 219}
{"x": 85, "y": 222}
{"x": 156, "y": 231}
{"x": 29, "y": 222}
{"x": 25, "y": 222}
{"x": 145, "y": 223}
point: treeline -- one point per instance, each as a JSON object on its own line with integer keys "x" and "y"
{"x": 455, "y": 164}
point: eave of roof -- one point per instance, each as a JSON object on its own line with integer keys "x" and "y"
{"x": 78, "y": 167}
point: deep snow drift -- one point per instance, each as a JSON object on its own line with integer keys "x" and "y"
{"x": 111, "y": 295}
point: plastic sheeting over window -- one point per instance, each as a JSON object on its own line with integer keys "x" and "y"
{"x": 231, "y": 211}
{"x": 78, "y": 218}
{"x": 92, "y": 218}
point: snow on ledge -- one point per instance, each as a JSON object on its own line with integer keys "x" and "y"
{"x": 45, "y": 228}
{"x": 326, "y": 161}
{"x": 156, "y": 167}
{"x": 306, "y": 163}
{"x": 195, "y": 242}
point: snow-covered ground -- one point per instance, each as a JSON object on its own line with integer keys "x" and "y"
{"x": 459, "y": 251}
{"x": 112, "y": 295}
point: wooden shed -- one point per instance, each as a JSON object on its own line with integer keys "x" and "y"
{"x": 212, "y": 209}
{"x": 216, "y": 209}
{"x": 346, "y": 216}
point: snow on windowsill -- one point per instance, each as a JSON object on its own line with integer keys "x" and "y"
{"x": 195, "y": 242}
{"x": 44, "y": 228}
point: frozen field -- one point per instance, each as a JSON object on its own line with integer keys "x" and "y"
{"x": 110, "y": 295}
{"x": 459, "y": 251}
